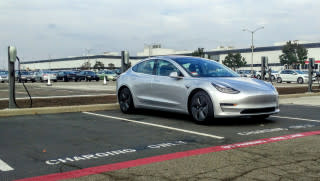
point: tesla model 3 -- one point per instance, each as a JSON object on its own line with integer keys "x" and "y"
{"x": 203, "y": 88}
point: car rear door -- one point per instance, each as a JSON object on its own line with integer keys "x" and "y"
{"x": 168, "y": 93}
{"x": 141, "y": 82}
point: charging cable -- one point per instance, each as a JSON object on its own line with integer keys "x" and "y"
{"x": 19, "y": 75}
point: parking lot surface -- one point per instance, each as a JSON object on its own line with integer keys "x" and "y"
{"x": 70, "y": 143}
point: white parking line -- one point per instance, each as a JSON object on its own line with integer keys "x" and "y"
{"x": 156, "y": 125}
{"x": 5, "y": 167}
{"x": 302, "y": 119}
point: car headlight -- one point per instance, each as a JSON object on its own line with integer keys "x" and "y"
{"x": 225, "y": 89}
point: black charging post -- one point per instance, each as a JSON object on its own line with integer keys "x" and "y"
{"x": 124, "y": 61}
{"x": 12, "y": 56}
{"x": 264, "y": 62}
{"x": 311, "y": 67}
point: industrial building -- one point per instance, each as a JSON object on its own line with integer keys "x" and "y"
{"x": 219, "y": 54}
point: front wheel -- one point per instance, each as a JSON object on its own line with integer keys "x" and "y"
{"x": 201, "y": 107}
{"x": 258, "y": 76}
{"x": 126, "y": 101}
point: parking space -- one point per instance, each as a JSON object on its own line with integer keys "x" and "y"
{"x": 45, "y": 144}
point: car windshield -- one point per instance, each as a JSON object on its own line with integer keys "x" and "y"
{"x": 25, "y": 73}
{"x": 198, "y": 67}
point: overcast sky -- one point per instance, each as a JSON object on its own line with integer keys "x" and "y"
{"x": 41, "y": 29}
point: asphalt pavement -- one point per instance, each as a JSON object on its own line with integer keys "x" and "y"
{"x": 153, "y": 145}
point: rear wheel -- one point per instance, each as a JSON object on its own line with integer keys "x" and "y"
{"x": 279, "y": 80}
{"x": 201, "y": 107}
{"x": 300, "y": 80}
{"x": 126, "y": 101}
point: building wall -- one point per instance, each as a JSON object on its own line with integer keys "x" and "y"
{"x": 272, "y": 52}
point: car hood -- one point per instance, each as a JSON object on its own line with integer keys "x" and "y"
{"x": 242, "y": 84}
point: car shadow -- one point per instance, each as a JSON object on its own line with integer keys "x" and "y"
{"x": 239, "y": 121}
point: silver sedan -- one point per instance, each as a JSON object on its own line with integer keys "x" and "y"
{"x": 200, "y": 87}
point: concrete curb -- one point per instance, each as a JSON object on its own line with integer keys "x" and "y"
{"x": 55, "y": 110}
{"x": 298, "y": 95}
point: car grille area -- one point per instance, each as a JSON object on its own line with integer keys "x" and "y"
{"x": 258, "y": 110}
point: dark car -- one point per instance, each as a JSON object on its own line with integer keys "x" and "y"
{"x": 87, "y": 76}
{"x": 25, "y": 76}
{"x": 66, "y": 76}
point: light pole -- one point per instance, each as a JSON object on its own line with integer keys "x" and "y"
{"x": 88, "y": 51}
{"x": 252, "y": 47}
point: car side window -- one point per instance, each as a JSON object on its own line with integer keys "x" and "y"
{"x": 145, "y": 67}
{"x": 164, "y": 68}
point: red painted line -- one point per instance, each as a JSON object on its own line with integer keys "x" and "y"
{"x": 160, "y": 158}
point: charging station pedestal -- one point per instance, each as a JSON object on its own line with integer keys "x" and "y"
{"x": 310, "y": 67}
{"x": 12, "y": 56}
{"x": 264, "y": 64}
{"x": 124, "y": 61}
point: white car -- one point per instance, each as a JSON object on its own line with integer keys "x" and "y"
{"x": 3, "y": 76}
{"x": 293, "y": 76}
{"x": 274, "y": 75}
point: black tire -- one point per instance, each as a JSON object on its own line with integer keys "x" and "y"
{"x": 126, "y": 101}
{"x": 279, "y": 80}
{"x": 201, "y": 107}
{"x": 258, "y": 76}
{"x": 64, "y": 79}
{"x": 300, "y": 80}
{"x": 261, "y": 116}
{"x": 273, "y": 77}
{"x": 41, "y": 80}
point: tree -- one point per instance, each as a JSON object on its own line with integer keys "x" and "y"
{"x": 234, "y": 61}
{"x": 85, "y": 65}
{"x": 198, "y": 53}
{"x": 293, "y": 54}
{"x": 98, "y": 65}
{"x": 111, "y": 65}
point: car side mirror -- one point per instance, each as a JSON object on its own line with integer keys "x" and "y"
{"x": 175, "y": 75}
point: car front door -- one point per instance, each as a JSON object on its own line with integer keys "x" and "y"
{"x": 169, "y": 93}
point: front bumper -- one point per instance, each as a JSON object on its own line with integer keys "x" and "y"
{"x": 238, "y": 105}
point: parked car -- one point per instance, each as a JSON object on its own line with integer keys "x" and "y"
{"x": 43, "y": 75}
{"x": 293, "y": 76}
{"x": 87, "y": 76}
{"x": 247, "y": 73}
{"x": 3, "y": 76}
{"x": 109, "y": 74}
{"x": 25, "y": 76}
{"x": 274, "y": 75}
{"x": 66, "y": 76}
{"x": 202, "y": 88}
